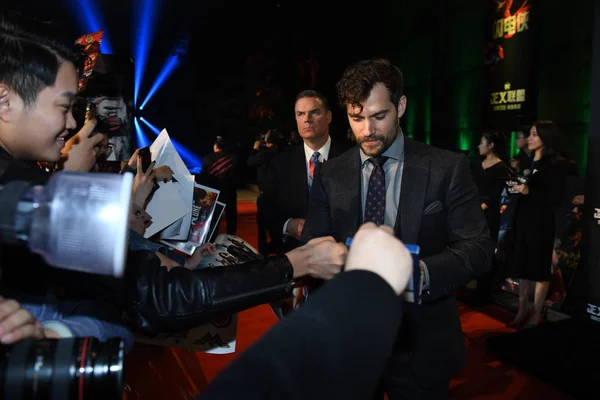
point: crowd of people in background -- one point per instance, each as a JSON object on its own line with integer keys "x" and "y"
{"x": 532, "y": 219}
{"x": 531, "y": 230}
{"x": 315, "y": 194}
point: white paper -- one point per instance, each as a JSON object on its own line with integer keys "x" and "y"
{"x": 203, "y": 207}
{"x": 179, "y": 230}
{"x": 171, "y": 230}
{"x": 173, "y": 200}
{"x": 219, "y": 209}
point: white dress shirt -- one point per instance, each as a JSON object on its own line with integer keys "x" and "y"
{"x": 308, "y": 152}
{"x": 324, "y": 151}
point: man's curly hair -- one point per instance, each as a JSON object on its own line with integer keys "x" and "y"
{"x": 360, "y": 78}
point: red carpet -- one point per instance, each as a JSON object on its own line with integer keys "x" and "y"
{"x": 485, "y": 377}
{"x": 161, "y": 373}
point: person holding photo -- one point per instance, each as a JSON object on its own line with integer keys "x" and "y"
{"x": 38, "y": 86}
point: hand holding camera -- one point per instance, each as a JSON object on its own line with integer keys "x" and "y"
{"x": 17, "y": 323}
{"x": 81, "y": 151}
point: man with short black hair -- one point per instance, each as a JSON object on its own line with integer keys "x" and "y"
{"x": 38, "y": 83}
{"x": 291, "y": 172}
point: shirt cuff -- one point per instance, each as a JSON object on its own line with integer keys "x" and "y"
{"x": 412, "y": 293}
{"x": 425, "y": 275}
{"x": 59, "y": 327}
{"x": 285, "y": 235}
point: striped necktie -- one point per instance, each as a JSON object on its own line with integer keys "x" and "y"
{"x": 312, "y": 164}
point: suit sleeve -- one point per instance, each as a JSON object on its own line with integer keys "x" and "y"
{"x": 328, "y": 349}
{"x": 318, "y": 219}
{"x": 470, "y": 247}
{"x": 275, "y": 219}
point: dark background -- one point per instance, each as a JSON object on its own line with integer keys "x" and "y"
{"x": 245, "y": 57}
{"x": 248, "y": 56}
{"x": 519, "y": 67}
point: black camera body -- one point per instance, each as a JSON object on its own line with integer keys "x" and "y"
{"x": 72, "y": 367}
{"x": 262, "y": 139}
{"x": 64, "y": 369}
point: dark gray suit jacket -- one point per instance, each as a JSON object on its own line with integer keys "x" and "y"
{"x": 286, "y": 192}
{"x": 440, "y": 212}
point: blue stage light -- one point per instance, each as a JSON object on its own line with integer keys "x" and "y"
{"x": 173, "y": 61}
{"x": 152, "y": 127}
{"x": 142, "y": 140}
{"x": 90, "y": 20}
{"x": 188, "y": 157}
{"x": 142, "y": 38}
{"x": 169, "y": 67}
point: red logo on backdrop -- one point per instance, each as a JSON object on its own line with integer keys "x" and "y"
{"x": 511, "y": 23}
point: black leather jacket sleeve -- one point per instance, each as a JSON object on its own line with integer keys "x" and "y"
{"x": 159, "y": 300}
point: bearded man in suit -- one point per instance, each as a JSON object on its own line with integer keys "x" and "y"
{"x": 428, "y": 196}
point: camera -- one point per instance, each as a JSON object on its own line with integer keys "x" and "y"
{"x": 261, "y": 138}
{"x": 74, "y": 368}
{"x": 83, "y": 111}
{"x": 272, "y": 136}
{"x": 75, "y": 214}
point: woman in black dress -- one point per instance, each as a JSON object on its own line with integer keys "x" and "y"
{"x": 489, "y": 176}
{"x": 534, "y": 221}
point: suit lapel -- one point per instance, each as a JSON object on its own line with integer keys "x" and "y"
{"x": 298, "y": 178}
{"x": 335, "y": 149}
{"x": 412, "y": 192}
{"x": 347, "y": 192}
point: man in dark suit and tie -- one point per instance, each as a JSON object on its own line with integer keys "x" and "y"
{"x": 291, "y": 172}
{"x": 427, "y": 195}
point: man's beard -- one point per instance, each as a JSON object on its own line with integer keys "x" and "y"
{"x": 384, "y": 142}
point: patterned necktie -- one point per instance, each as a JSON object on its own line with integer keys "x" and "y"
{"x": 375, "y": 204}
{"x": 312, "y": 164}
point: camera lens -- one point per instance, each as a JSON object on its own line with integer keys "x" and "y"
{"x": 75, "y": 368}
